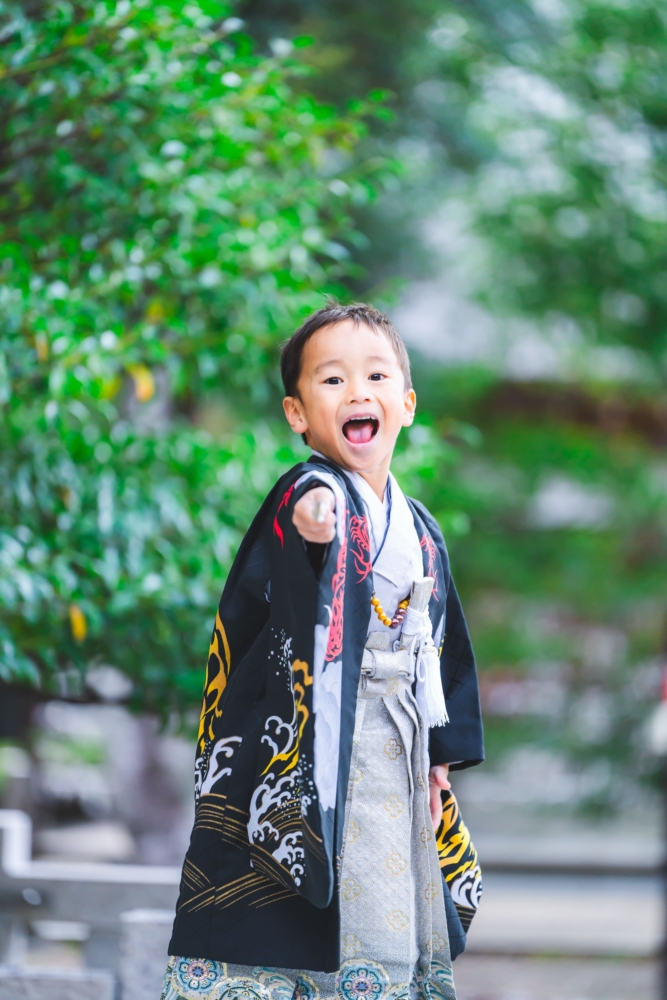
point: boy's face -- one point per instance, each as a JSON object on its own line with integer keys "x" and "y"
{"x": 353, "y": 400}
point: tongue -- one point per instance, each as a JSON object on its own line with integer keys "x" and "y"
{"x": 359, "y": 431}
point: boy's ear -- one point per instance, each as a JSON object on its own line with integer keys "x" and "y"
{"x": 410, "y": 404}
{"x": 294, "y": 412}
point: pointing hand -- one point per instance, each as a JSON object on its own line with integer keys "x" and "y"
{"x": 314, "y": 516}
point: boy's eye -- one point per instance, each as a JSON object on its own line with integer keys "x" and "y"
{"x": 333, "y": 380}
{"x": 376, "y": 377}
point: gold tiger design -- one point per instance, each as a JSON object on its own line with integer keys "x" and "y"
{"x": 458, "y": 860}
{"x": 217, "y": 673}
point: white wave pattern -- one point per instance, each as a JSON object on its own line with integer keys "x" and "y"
{"x": 211, "y": 769}
{"x": 290, "y": 854}
{"x": 467, "y": 890}
{"x": 273, "y": 793}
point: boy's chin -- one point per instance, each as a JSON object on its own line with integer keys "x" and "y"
{"x": 361, "y": 456}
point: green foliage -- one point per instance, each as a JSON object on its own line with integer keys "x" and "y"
{"x": 355, "y": 47}
{"x": 171, "y": 202}
{"x": 164, "y": 184}
{"x": 571, "y": 201}
{"x": 566, "y": 607}
{"x": 122, "y": 557}
{"x": 169, "y": 208}
{"x": 563, "y": 223}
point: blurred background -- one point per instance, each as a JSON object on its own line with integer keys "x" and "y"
{"x": 179, "y": 185}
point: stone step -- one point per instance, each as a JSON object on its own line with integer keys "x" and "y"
{"x": 144, "y": 936}
{"x": 56, "y": 984}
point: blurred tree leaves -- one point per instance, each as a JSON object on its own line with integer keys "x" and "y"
{"x": 571, "y": 201}
{"x": 172, "y": 200}
{"x": 169, "y": 208}
{"x": 556, "y": 221}
{"x": 532, "y": 136}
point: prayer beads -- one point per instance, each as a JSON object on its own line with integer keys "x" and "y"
{"x": 384, "y": 618}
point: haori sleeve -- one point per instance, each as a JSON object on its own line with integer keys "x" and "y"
{"x": 460, "y": 742}
{"x": 298, "y": 761}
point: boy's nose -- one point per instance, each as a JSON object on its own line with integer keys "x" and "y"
{"x": 359, "y": 391}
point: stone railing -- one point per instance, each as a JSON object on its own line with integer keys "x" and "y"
{"x": 124, "y": 913}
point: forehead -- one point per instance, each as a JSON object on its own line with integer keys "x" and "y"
{"x": 348, "y": 341}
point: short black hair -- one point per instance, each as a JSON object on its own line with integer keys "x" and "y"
{"x": 291, "y": 357}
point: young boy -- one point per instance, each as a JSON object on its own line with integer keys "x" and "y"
{"x": 324, "y": 744}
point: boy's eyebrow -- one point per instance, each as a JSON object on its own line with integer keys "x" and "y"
{"x": 325, "y": 364}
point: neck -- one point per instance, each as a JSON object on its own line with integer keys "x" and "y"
{"x": 376, "y": 478}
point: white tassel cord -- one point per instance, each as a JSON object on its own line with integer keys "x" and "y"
{"x": 434, "y": 695}
{"x": 416, "y": 635}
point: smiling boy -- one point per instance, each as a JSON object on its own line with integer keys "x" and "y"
{"x": 340, "y": 688}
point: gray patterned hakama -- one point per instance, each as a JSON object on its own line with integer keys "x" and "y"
{"x": 394, "y": 943}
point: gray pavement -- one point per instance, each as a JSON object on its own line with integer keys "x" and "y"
{"x": 587, "y": 915}
{"x": 486, "y": 977}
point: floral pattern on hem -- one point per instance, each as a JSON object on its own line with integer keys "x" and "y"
{"x": 193, "y": 978}
{"x": 204, "y": 979}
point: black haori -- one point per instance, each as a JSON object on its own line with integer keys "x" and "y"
{"x": 273, "y": 756}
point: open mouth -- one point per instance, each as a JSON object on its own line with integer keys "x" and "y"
{"x": 361, "y": 430}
